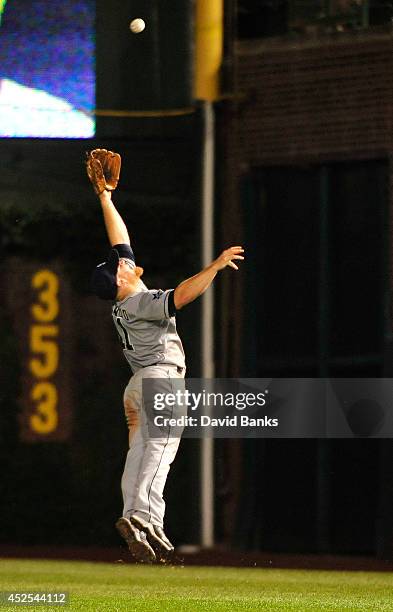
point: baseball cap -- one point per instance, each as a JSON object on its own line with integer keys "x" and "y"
{"x": 103, "y": 281}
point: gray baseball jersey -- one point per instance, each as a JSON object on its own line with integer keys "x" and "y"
{"x": 146, "y": 326}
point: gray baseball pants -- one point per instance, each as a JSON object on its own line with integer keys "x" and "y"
{"x": 149, "y": 458}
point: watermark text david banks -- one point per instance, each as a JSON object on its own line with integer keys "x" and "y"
{"x": 204, "y": 420}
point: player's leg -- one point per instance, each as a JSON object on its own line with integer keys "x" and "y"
{"x": 129, "y": 480}
{"x": 158, "y": 457}
{"x": 135, "y": 538}
{"x": 159, "y": 454}
{"x": 149, "y": 501}
{"x": 137, "y": 442}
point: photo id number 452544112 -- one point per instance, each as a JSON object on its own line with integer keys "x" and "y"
{"x": 33, "y": 598}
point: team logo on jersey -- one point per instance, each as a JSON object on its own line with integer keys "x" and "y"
{"x": 157, "y": 294}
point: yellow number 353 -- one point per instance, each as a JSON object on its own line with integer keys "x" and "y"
{"x": 44, "y": 351}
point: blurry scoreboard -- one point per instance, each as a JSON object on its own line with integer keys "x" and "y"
{"x": 38, "y": 300}
{"x": 47, "y": 68}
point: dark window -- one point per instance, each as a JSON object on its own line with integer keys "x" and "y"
{"x": 317, "y": 281}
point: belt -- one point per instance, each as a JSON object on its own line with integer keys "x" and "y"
{"x": 178, "y": 368}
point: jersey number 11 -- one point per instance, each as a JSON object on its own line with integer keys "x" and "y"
{"x": 123, "y": 335}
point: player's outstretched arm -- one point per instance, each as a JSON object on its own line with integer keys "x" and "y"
{"x": 115, "y": 226}
{"x": 193, "y": 287}
{"x": 103, "y": 171}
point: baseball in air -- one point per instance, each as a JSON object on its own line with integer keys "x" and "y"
{"x": 137, "y": 26}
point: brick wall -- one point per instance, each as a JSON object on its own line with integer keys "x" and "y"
{"x": 326, "y": 97}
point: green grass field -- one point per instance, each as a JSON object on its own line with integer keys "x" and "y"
{"x": 121, "y": 587}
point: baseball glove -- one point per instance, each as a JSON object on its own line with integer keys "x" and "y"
{"x": 103, "y": 169}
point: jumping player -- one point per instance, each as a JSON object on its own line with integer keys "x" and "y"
{"x": 146, "y": 325}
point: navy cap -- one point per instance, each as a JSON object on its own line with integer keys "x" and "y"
{"x": 103, "y": 281}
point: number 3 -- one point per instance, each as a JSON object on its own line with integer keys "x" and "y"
{"x": 48, "y": 308}
{"x": 45, "y": 419}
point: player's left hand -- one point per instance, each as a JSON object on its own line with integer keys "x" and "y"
{"x": 226, "y": 258}
{"x": 103, "y": 169}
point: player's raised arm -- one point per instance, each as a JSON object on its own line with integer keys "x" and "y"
{"x": 103, "y": 170}
{"x": 193, "y": 287}
{"x": 115, "y": 226}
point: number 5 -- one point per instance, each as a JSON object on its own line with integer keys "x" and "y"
{"x": 49, "y": 351}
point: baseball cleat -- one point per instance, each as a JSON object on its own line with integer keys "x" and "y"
{"x": 136, "y": 540}
{"x": 155, "y": 537}
{"x": 161, "y": 534}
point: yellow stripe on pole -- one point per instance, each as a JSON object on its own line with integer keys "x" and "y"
{"x": 208, "y": 48}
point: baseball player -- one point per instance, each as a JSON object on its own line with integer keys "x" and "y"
{"x": 146, "y": 325}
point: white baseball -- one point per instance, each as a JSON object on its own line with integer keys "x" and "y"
{"x": 137, "y": 25}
